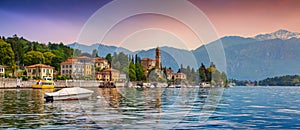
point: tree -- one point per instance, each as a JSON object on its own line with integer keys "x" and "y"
{"x": 140, "y": 72}
{"x": 95, "y": 53}
{"x": 108, "y": 58}
{"x": 48, "y": 57}
{"x": 76, "y": 53}
{"x": 132, "y": 74}
{"x": 34, "y": 57}
{"x": 7, "y": 54}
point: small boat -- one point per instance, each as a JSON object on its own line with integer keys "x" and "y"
{"x": 45, "y": 83}
{"x": 107, "y": 84}
{"x": 74, "y": 93}
{"x": 178, "y": 86}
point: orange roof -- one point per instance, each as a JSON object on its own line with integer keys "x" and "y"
{"x": 70, "y": 60}
{"x": 99, "y": 59}
{"x": 148, "y": 59}
{"x": 170, "y": 71}
{"x": 83, "y": 57}
{"x": 39, "y": 65}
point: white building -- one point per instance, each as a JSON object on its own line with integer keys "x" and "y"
{"x": 2, "y": 71}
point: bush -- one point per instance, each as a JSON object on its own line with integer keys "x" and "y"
{"x": 25, "y": 78}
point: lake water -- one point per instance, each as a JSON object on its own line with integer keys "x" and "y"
{"x": 156, "y": 108}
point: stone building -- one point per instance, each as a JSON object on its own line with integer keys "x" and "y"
{"x": 148, "y": 64}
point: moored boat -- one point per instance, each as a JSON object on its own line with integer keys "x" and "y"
{"x": 45, "y": 83}
{"x": 74, "y": 93}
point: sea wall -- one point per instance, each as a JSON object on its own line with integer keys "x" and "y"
{"x": 7, "y": 83}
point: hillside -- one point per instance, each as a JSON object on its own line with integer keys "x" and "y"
{"x": 247, "y": 58}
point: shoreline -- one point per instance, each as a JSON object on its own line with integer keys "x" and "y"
{"x": 12, "y": 83}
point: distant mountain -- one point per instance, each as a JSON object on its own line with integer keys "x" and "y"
{"x": 247, "y": 58}
{"x": 280, "y": 34}
{"x": 253, "y": 59}
{"x": 103, "y": 50}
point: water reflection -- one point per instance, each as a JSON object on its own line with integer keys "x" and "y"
{"x": 159, "y": 108}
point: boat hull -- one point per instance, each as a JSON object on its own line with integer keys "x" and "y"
{"x": 68, "y": 97}
{"x": 75, "y": 93}
{"x": 43, "y": 86}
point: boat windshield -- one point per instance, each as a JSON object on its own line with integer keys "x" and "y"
{"x": 47, "y": 78}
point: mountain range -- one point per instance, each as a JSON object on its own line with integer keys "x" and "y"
{"x": 252, "y": 58}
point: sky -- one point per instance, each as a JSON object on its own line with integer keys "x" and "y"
{"x": 63, "y": 20}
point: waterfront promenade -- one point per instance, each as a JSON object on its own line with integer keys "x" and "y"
{"x": 10, "y": 83}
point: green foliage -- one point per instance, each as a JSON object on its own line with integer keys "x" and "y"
{"x": 25, "y": 78}
{"x": 140, "y": 72}
{"x": 34, "y": 57}
{"x": 108, "y": 57}
{"x": 288, "y": 80}
{"x": 48, "y": 57}
{"x": 212, "y": 75}
{"x": 53, "y": 53}
{"x": 132, "y": 73}
{"x": 95, "y": 53}
{"x": 7, "y": 54}
{"x": 61, "y": 77}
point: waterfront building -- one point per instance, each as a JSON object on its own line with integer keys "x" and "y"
{"x": 39, "y": 70}
{"x": 108, "y": 75}
{"x": 148, "y": 64}
{"x": 2, "y": 71}
{"x": 122, "y": 77}
{"x": 77, "y": 67}
{"x": 169, "y": 73}
{"x": 179, "y": 76}
{"x": 101, "y": 63}
{"x": 103, "y": 76}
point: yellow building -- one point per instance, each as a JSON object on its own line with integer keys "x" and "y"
{"x": 77, "y": 67}
{"x": 39, "y": 70}
{"x": 101, "y": 63}
{"x": 179, "y": 76}
{"x": 108, "y": 75}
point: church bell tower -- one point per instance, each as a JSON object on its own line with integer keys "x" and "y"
{"x": 158, "y": 60}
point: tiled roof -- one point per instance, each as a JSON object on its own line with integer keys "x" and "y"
{"x": 148, "y": 59}
{"x": 98, "y": 59}
{"x": 39, "y": 65}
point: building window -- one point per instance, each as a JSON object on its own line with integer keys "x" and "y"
{"x": 66, "y": 66}
{"x": 63, "y": 66}
{"x": 67, "y": 71}
{"x": 70, "y": 66}
{"x": 63, "y": 72}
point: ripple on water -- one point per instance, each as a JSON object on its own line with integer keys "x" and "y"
{"x": 291, "y": 111}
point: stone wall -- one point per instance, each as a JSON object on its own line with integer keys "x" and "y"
{"x": 12, "y": 83}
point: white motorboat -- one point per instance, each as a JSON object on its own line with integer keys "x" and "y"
{"x": 74, "y": 93}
